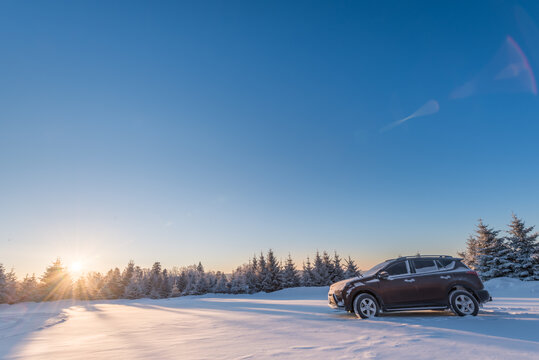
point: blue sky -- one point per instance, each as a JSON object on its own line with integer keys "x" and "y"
{"x": 213, "y": 130}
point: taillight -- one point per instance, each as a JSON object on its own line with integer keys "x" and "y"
{"x": 471, "y": 272}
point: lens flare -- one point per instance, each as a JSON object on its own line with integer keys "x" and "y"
{"x": 429, "y": 108}
{"x": 508, "y": 71}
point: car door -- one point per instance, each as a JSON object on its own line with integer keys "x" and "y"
{"x": 431, "y": 283}
{"x": 399, "y": 289}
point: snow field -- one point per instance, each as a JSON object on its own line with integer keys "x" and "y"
{"x": 288, "y": 324}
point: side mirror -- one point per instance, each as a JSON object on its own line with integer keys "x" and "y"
{"x": 383, "y": 275}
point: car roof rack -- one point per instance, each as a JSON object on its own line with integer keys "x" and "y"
{"x": 424, "y": 256}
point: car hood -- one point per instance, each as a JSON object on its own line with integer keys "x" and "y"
{"x": 355, "y": 281}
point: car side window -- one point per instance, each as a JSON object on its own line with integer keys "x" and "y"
{"x": 399, "y": 268}
{"x": 424, "y": 266}
{"x": 445, "y": 264}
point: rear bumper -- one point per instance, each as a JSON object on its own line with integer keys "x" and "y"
{"x": 483, "y": 296}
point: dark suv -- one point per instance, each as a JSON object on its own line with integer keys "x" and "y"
{"x": 411, "y": 283}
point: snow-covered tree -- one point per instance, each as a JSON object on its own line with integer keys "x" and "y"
{"x": 165, "y": 288}
{"x": 134, "y": 289}
{"x": 128, "y": 273}
{"x": 492, "y": 253}
{"x": 272, "y": 279}
{"x": 221, "y": 286}
{"x": 113, "y": 288}
{"x": 251, "y": 278}
{"x": 261, "y": 271}
{"x": 307, "y": 276}
{"x": 337, "y": 273}
{"x": 55, "y": 282}
{"x": 237, "y": 283}
{"x": 28, "y": 290}
{"x": 290, "y": 276}
{"x": 8, "y": 286}
{"x": 470, "y": 255}
{"x": 351, "y": 269}
{"x": 524, "y": 250}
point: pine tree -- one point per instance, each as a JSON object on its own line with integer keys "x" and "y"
{"x": 525, "y": 250}
{"x": 251, "y": 278}
{"x": 222, "y": 283}
{"x": 155, "y": 281}
{"x": 134, "y": 289}
{"x": 321, "y": 272}
{"x": 237, "y": 282}
{"x": 272, "y": 281}
{"x": 29, "y": 289}
{"x": 261, "y": 271}
{"x": 351, "y": 269}
{"x": 175, "y": 291}
{"x": 5, "y": 296}
{"x": 290, "y": 274}
{"x": 491, "y": 253}
{"x": 113, "y": 288}
{"x": 55, "y": 282}
{"x": 307, "y": 277}
{"x": 470, "y": 255}
{"x": 338, "y": 272}
{"x": 166, "y": 289}
{"x": 128, "y": 273}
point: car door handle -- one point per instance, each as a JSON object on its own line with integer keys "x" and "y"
{"x": 409, "y": 280}
{"x": 445, "y": 277}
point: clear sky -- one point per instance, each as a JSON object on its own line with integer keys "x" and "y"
{"x": 210, "y": 131}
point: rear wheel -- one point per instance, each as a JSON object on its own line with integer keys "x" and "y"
{"x": 463, "y": 303}
{"x": 366, "y": 306}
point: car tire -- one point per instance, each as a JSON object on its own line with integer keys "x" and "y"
{"x": 463, "y": 303}
{"x": 366, "y": 306}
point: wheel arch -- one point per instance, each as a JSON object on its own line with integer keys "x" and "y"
{"x": 356, "y": 293}
{"x": 461, "y": 286}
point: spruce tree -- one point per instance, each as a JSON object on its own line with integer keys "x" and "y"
{"x": 113, "y": 285}
{"x": 524, "y": 250}
{"x": 492, "y": 253}
{"x": 307, "y": 276}
{"x": 55, "y": 282}
{"x": 338, "y": 272}
{"x": 470, "y": 255}
{"x": 290, "y": 274}
{"x": 165, "y": 290}
{"x": 134, "y": 289}
{"x": 128, "y": 273}
{"x": 321, "y": 273}
{"x": 261, "y": 271}
{"x": 29, "y": 289}
{"x": 351, "y": 269}
{"x": 4, "y": 295}
{"x": 272, "y": 279}
{"x": 251, "y": 278}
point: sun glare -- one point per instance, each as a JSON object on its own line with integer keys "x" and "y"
{"x": 75, "y": 267}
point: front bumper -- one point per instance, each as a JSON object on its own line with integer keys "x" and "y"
{"x": 334, "y": 301}
{"x": 483, "y": 296}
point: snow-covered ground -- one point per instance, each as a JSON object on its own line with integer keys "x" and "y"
{"x": 292, "y": 324}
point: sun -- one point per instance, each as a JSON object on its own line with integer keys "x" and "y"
{"x": 75, "y": 267}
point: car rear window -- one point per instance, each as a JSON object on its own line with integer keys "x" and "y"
{"x": 424, "y": 265}
{"x": 397, "y": 269}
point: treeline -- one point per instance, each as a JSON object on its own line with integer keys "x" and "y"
{"x": 261, "y": 273}
{"x": 514, "y": 255}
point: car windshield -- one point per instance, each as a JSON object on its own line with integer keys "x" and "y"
{"x": 375, "y": 269}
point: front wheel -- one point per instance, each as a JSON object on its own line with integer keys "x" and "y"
{"x": 366, "y": 306}
{"x": 463, "y": 303}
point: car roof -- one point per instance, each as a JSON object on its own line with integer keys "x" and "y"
{"x": 429, "y": 257}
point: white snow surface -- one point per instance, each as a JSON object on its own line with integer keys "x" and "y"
{"x": 288, "y": 324}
